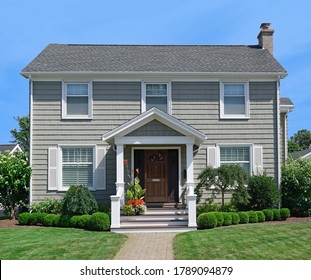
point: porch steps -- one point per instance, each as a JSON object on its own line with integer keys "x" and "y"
{"x": 156, "y": 219}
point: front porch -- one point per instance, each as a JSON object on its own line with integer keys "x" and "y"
{"x": 161, "y": 183}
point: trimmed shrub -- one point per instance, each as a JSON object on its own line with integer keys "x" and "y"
{"x": 244, "y": 218}
{"x": 40, "y": 217}
{"x": 99, "y": 222}
{"x": 227, "y": 219}
{"x": 83, "y": 220}
{"x": 253, "y": 218}
{"x": 207, "y": 220}
{"x": 268, "y": 214}
{"x": 104, "y": 207}
{"x": 74, "y": 221}
{"x": 285, "y": 213}
{"x": 48, "y": 205}
{"x": 276, "y": 214}
{"x": 263, "y": 192}
{"x": 64, "y": 221}
{"x": 23, "y": 218}
{"x": 235, "y": 218}
{"x": 261, "y": 216}
{"x": 208, "y": 207}
{"x": 32, "y": 219}
{"x": 296, "y": 186}
{"x": 219, "y": 217}
{"x": 78, "y": 200}
{"x": 51, "y": 220}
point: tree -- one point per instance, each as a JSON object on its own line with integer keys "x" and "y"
{"x": 22, "y": 135}
{"x": 14, "y": 177}
{"x": 302, "y": 138}
{"x": 222, "y": 178}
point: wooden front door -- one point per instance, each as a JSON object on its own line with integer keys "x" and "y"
{"x": 156, "y": 176}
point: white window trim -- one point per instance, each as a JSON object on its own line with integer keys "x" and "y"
{"x": 60, "y": 164}
{"x": 251, "y": 151}
{"x": 64, "y": 100}
{"x": 169, "y": 95}
{"x": 222, "y": 98}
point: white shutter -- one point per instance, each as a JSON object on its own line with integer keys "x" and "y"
{"x": 52, "y": 169}
{"x": 257, "y": 160}
{"x": 212, "y": 157}
{"x": 100, "y": 169}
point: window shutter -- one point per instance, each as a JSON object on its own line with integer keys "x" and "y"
{"x": 52, "y": 169}
{"x": 212, "y": 157}
{"x": 258, "y": 160}
{"x": 100, "y": 169}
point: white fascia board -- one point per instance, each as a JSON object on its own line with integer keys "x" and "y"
{"x": 286, "y": 108}
{"x": 151, "y": 140}
{"x": 141, "y": 74}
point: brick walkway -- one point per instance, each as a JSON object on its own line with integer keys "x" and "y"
{"x": 147, "y": 246}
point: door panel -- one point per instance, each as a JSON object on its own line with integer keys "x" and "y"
{"x": 156, "y": 176}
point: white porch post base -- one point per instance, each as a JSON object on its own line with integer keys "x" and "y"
{"x": 191, "y": 205}
{"x": 115, "y": 211}
{"x": 120, "y": 189}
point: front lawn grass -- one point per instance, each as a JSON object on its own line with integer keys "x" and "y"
{"x": 269, "y": 241}
{"x": 58, "y": 244}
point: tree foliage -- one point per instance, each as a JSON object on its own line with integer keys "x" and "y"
{"x": 15, "y": 173}
{"x": 22, "y": 135}
{"x": 296, "y": 186}
{"x": 303, "y": 140}
{"x": 222, "y": 178}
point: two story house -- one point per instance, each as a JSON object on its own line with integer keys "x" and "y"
{"x": 101, "y": 113}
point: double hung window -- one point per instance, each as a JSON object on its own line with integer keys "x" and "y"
{"x": 77, "y": 100}
{"x": 156, "y": 95}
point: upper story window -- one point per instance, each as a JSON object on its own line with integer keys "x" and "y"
{"x": 77, "y": 100}
{"x": 156, "y": 95}
{"x": 234, "y": 100}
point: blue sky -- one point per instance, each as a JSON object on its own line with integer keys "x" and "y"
{"x": 26, "y": 27}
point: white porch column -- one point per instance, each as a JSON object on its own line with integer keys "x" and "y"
{"x": 118, "y": 199}
{"x": 191, "y": 197}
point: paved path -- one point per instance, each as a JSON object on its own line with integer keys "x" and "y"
{"x": 147, "y": 246}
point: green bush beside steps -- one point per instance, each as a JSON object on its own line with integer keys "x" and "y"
{"x": 215, "y": 219}
{"x": 98, "y": 221}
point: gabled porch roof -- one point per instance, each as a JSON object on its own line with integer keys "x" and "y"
{"x": 148, "y": 116}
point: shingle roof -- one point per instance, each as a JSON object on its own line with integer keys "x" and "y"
{"x": 285, "y": 101}
{"x": 304, "y": 153}
{"x": 7, "y": 147}
{"x": 153, "y": 58}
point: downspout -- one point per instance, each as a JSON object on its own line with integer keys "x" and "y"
{"x": 278, "y": 138}
{"x": 30, "y": 132}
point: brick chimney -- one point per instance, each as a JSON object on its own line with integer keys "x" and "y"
{"x": 265, "y": 37}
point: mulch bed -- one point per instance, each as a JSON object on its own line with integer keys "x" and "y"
{"x": 14, "y": 223}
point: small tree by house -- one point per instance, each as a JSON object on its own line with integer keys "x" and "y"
{"x": 15, "y": 173}
{"x": 222, "y": 179}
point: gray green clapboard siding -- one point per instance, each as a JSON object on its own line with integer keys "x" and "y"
{"x": 195, "y": 103}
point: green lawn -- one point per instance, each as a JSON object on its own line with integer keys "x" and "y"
{"x": 58, "y": 244}
{"x": 267, "y": 241}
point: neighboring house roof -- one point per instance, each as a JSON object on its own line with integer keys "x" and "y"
{"x": 286, "y": 105}
{"x": 154, "y": 58}
{"x": 301, "y": 154}
{"x": 10, "y": 147}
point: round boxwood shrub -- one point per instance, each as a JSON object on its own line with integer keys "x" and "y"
{"x": 253, "y": 218}
{"x": 40, "y": 217}
{"x": 32, "y": 219}
{"x": 23, "y": 218}
{"x": 207, "y": 220}
{"x": 99, "y": 222}
{"x": 261, "y": 216}
{"x": 64, "y": 221}
{"x": 227, "y": 219}
{"x": 268, "y": 214}
{"x": 285, "y": 213}
{"x": 276, "y": 214}
{"x": 235, "y": 218}
{"x": 83, "y": 220}
{"x": 78, "y": 200}
{"x": 74, "y": 221}
{"x": 219, "y": 217}
{"x": 51, "y": 220}
{"x": 244, "y": 218}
